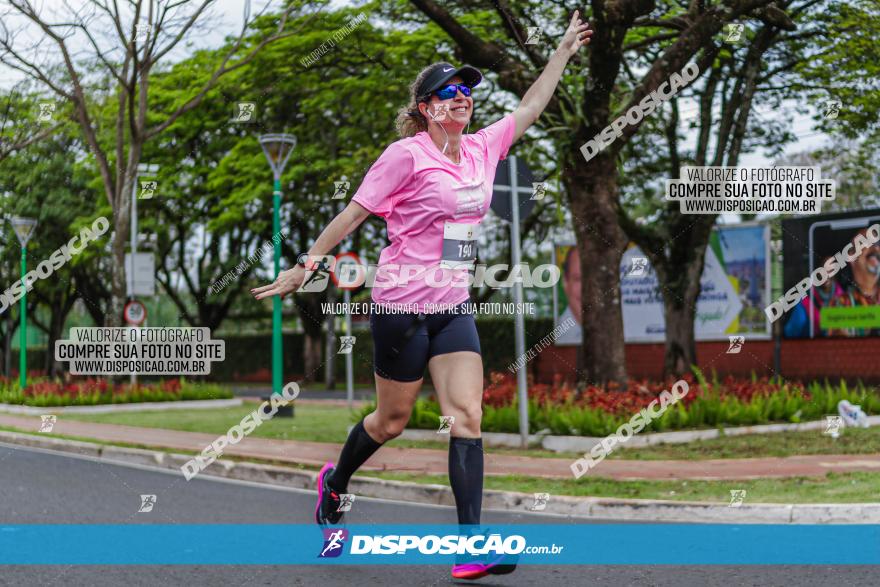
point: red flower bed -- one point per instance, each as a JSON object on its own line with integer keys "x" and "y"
{"x": 70, "y": 388}
{"x": 501, "y": 390}
{"x": 89, "y": 387}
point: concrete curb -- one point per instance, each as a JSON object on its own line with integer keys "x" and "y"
{"x": 582, "y": 444}
{"x": 642, "y": 510}
{"x": 196, "y": 404}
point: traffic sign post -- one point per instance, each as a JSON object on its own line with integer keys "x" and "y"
{"x": 143, "y": 170}
{"x": 135, "y": 313}
{"x": 502, "y": 203}
{"x": 350, "y": 259}
{"x": 509, "y": 179}
{"x": 142, "y": 274}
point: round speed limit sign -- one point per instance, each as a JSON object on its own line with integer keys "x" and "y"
{"x": 349, "y": 273}
{"x": 134, "y": 313}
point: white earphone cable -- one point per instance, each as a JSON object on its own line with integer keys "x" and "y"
{"x": 434, "y": 116}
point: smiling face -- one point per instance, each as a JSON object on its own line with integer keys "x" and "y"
{"x": 869, "y": 261}
{"x": 459, "y": 108}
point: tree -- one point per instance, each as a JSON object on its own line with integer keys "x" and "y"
{"x": 676, "y": 243}
{"x": 140, "y": 40}
{"x": 854, "y": 166}
{"x": 211, "y": 216}
{"x": 582, "y": 108}
{"x": 46, "y": 183}
{"x": 19, "y": 128}
{"x": 766, "y": 69}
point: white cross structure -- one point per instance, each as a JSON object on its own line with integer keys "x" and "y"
{"x": 510, "y": 185}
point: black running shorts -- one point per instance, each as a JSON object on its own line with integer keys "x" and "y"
{"x": 404, "y": 343}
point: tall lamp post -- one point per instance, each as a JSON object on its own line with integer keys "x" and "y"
{"x": 277, "y": 148}
{"x": 24, "y": 228}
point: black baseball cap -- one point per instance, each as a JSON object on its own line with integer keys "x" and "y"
{"x": 441, "y": 73}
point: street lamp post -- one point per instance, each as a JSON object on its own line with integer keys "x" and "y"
{"x": 24, "y": 228}
{"x": 277, "y": 148}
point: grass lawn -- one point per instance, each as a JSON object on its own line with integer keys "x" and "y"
{"x": 856, "y": 487}
{"x": 312, "y": 423}
{"x": 779, "y": 444}
{"x": 330, "y": 424}
{"x": 833, "y": 488}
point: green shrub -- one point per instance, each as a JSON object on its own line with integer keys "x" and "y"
{"x": 712, "y": 404}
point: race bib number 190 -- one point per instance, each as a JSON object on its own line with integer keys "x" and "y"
{"x": 459, "y": 245}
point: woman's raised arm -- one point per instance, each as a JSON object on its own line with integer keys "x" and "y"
{"x": 536, "y": 99}
{"x": 339, "y": 228}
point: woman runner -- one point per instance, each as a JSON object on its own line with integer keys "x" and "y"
{"x": 432, "y": 187}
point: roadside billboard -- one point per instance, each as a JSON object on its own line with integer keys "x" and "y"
{"x": 735, "y": 289}
{"x": 848, "y": 304}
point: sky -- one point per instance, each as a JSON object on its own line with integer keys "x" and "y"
{"x": 227, "y": 17}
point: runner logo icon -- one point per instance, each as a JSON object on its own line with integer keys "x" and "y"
{"x": 341, "y": 189}
{"x": 736, "y": 344}
{"x": 334, "y": 540}
{"x": 47, "y": 423}
{"x": 638, "y": 266}
{"x": 540, "y": 504}
{"x": 346, "y": 500}
{"x": 147, "y": 503}
{"x": 532, "y": 35}
{"x": 832, "y": 109}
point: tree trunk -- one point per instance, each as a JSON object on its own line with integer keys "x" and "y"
{"x": 593, "y": 193}
{"x": 311, "y": 357}
{"x": 121, "y": 234}
{"x": 681, "y": 348}
{"x": 56, "y": 325}
{"x": 678, "y": 277}
{"x": 94, "y": 296}
{"x": 312, "y": 319}
{"x": 7, "y": 344}
{"x": 330, "y": 347}
{"x": 121, "y": 230}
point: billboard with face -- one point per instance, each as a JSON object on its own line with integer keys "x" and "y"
{"x": 735, "y": 288}
{"x": 846, "y": 305}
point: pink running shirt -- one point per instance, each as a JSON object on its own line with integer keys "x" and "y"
{"x": 420, "y": 193}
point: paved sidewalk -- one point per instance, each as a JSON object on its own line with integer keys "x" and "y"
{"x": 416, "y": 460}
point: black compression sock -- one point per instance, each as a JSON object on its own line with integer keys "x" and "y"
{"x": 359, "y": 447}
{"x": 466, "y": 477}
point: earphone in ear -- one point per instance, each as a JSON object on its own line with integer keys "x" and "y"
{"x": 441, "y": 114}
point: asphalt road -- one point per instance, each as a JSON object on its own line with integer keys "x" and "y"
{"x": 51, "y": 488}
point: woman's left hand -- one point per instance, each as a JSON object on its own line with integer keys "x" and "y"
{"x": 577, "y": 35}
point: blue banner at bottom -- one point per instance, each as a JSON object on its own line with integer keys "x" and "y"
{"x": 557, "y": 544}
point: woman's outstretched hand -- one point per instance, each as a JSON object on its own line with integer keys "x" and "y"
{"x": 577, "y": 35}
{"x": 286, "y": 282}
